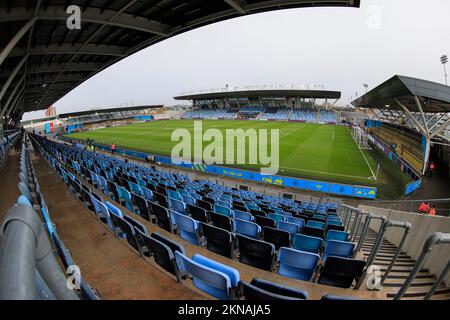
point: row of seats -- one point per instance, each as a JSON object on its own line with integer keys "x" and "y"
{"x": 210, "y": 114}
{"x": 307, "y": 115}
{"x": 5, "y": 145}
{"x": 31, "y": 196}
{"x": 212, "y": 277}
{"x": 259, "y": 253}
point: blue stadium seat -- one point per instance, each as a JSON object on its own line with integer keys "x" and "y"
{"x": 222, "y": 210}
{"x": 276, "y": 217}
{"x": 22, "y": 200}
{"x": 112, "y": 208}
{"x": 292, "y": 228}
{"x": 237, "y": 214}
{"x": 125, "y": 198}
{"x": 247, "y": 228}
{"x": 177, "y": 205}
{"x": 307, "y": 243}
{"x": 336, "y": 248}
{"x": 209, "y": 276}
{"x": 315, "y": 224}
{"x": 297, "y": 264}
{"x": 336, "y": 235}
{"x": 187, "y": 227}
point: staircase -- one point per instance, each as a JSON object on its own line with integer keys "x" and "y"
{"x": 400, "y": 271}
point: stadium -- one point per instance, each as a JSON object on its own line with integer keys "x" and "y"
{"x": 264, "y": 192}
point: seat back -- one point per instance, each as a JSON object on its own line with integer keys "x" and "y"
{"x": 336, "y": 235}
{"x": 315, "y": 224}
{"x": 265, "y": 222}
{"x": 162, "y": 217}
{"x": 214, "y": 283}
{"x": 279, "y": 238}
{"x": 338, "y": 248}
{"x": 242, "y": 215}
{"x": 285, "y": 292}
{"x": 297, "y": 264}
{"x": 257, "y": 253}
{"x": 221, "y": 221}
{"x": 177, "y": 205}
{"x": 187, "y": 226}
{"x": 174, "y": 246}
{"x": 307, "y": 243}
{"x": 218, "y": 240}
{"x": 341, "y": 272}
{"x": 197, "y": 213}
{"x": 247, "y": 228}
{"x": 222, "y": 210}
{"x": 292, "y": 228}
{"x": 313, "y": 232}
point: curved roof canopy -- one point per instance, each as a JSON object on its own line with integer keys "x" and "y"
{"x": 434, "y": 97}
{"x": 41, "y": 59}
{"x": 318, "y": 94}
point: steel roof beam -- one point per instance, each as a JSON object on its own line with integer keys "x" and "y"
{"x": 92, "y": 15}
{"x": 237, "y": 5}
{"x": 91, "y": 49}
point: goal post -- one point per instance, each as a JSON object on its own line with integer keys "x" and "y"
{"x": 361, "y": 138}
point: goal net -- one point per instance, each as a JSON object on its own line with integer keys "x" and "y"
{"x": 361, "y": 138}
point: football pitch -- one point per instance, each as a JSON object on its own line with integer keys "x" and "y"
{"x": 311, "y": 151}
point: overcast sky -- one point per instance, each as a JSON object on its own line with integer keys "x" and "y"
{"x": 339, "y": 48}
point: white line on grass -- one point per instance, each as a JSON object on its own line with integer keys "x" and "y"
{"x": 364, "y": 156}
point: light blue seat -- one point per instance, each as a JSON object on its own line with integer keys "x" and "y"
{"x": 222, "y": 210}
{"x": 216, "y": 279}
{"x": 177, "y": 205}
{"x": 247, "y": 228}
{"x": 292, "y": 228}
{"x": 307, "y": 243}
{"x": 276, "y": 217}
{"x": 173, "y": 194}
{"x": 334, "y": 222}
{"x": 113, "y": 209}
{"x": 224, "y": 204}
{"x": 315, "y": 224}
{"x": 336, "y": 235}
{"x": 189, "y": 200}
{"x": 102, "y": 212}
{"x": 298, "y": 221}
{"x": 147, "y": 193}
{"x": 297, "y": 264}
{"x": 24, "y": 201}
{"x": 135, "y": 188}
{"x": 188, "y": 227}
{"x": 336, "y": 248}
{"x": 102, "y": 184}
{"x": 125, "y": 197}
{"x": 243, "y": 215}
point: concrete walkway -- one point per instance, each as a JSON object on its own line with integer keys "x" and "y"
{"x": 107, "y": 264}
{"x": 9, "y": 178}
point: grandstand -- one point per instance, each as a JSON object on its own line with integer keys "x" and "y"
{"x": 78, "y": 224}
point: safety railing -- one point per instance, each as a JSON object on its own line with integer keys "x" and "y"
{"x": 434, "y": 239}
{"x": 442, "y": 205}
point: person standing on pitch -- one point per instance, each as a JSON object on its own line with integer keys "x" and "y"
{"x": 113, "y": 148}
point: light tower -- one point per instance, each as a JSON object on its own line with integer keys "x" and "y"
{"x": 365, "y": 85}
{"x": 444, "y": 60}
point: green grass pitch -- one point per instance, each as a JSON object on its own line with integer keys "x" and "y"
{"x": 313, "y": 151}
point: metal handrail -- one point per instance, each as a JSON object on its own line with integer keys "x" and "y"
{"x": 408, "y": 205}
{"x": 369, "y": 218}
{"x": 433, "y": 239}
{"x": 385, "y": 225}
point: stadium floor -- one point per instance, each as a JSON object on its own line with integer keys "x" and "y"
{"x": 311, "y": 151}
